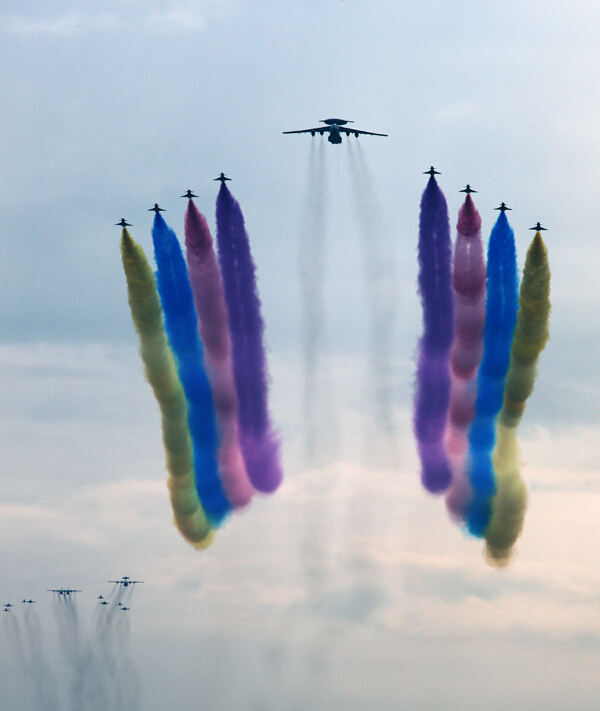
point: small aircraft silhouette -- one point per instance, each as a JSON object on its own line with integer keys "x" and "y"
{"x": 156, "y": 208}
{"x": 7, "y": 604}
{"x": 335, "y": 128}
{"x": 222, "y": 177}
{"x": 432, "y": 171}
{"x": 189, "y": 194}
{"x": 503, "y": 207}
{"x": 123, "y": 223}
{"x": 6, "y": 609}
{"x": 125, "y": 581}
{"x": 124, "y": 608}
{"x": 467, "y": 190}
{"x": 100, "y": 597}
{"x": 29, "y": 602}
{"x": 103, "y": 602}
{"x": 538, "y": 228}
{"x": 63, "y": 591}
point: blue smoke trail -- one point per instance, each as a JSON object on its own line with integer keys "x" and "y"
{"x": 181, "y": 325}
{"x": 500, "y": 321}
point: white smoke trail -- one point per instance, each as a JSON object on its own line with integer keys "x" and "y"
{"x": 39, "y": 672}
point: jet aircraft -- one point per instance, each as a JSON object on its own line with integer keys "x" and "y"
{"x": 222, "y": 177}
{"x": 189, "y": 194}
{"x": 503, "y": 207}
{"x": 335, "y": 128}
{"x": 467, "y": 190}
{"x": 7, "y": 604}
{"x": 122, "y": 223}
{"x": 432, "y": 171}
{"x": 103, "y": 602}
{"x": 124, "y": 608}
{"x": 156, "y": 208}
{"x": 7, "y": 609}
{"x": 125, "y": 581}
{"x": 29, "y": 602}
{"x": 538, "y": 228}
{"x": 63, "y": 591}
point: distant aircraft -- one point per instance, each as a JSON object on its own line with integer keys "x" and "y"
{"x": 222, "y": 177}
{"x": 124, "y": 608}
{"x": 538, "y": 228}
{"x": 103, "y": 602}
{"x": 6, "y": 609}
{"x": 503, "y": 207}
{"x": 125, "y": 581}
{"x": 29, "y": 602}
{"x": 432, "y": 171}
{"x": 7, "y": 604}
{"x": 123, "y": 223}
{"x": 100, "y": 597}
{"x": 467, "y": 190}
{"x": 335, "y": 128}
{"x": 156, "y": 208}
{"x": 63, "y": 591}
{"x": 189, "y": 194}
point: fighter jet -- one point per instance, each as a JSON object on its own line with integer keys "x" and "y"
{"x": 222, "y": 177}
{"x": 432, "y": 171}
{"x": 103, "y": 602}
{"x": 335, "y": 128}
{"x": 124, "y": 608}
{"x": 538, "y": 228}
{"x": 503, "y": 207}
{"x": 7, "y": 609}
{"x": 7, "y": 604}
{"x": 467, "y": 190}
{"x": 63, "y": 591}
{"x": 156, "y": 208}
{"x": 189, "y": 194}
{"x": 29, "y": 602}
{"x": 125, "y": 581}
{"x": 100, "y": 597}
{"x": 123, "y": 223}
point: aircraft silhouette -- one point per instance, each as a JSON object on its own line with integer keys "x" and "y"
{"x": 503, "y": 207}
{"x": 156, "y": 208}
{"x": 432, "y": 171}
{"x": 29, "y": 602}
{"x": 123, "y": 223}
{"x": 63, "y": 591}
{"x": 538, "y": 228}
{"x": 467, "y": 190}
{"x": 189, "y": 194}
{"x": 125, "y": 581}
{"x": 335, "y": 128}
{"x": 222, "y": 177}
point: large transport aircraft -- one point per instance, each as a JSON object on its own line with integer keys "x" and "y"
{"x": 335, "y": 128}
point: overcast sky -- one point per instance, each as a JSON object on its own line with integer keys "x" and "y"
{"x": 350, "y": 587}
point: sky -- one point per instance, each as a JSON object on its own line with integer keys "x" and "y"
{"x": 350, "y": 586}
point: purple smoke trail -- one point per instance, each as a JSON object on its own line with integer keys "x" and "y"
{"x": 468, "y": 280}
{"x": 432, "y": 396}
{"x": 260, "y": 445}
{"x": 214, "y": 331}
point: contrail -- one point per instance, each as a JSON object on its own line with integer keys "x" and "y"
{"x": 380, "y": 278}
{"x": 468, "y": 281}
{"x": 181, "y": 325}
{"x": 500, "y": 319}
{"x": 40, "y": 673}
{"x": 214, "y": 331}
{"x": 311, "y": 270}
{"x": 432, "y": 395}
{"x": 260, "y": 445}
{"x": 531, "y": 336}
{"x": 162, "y": 375}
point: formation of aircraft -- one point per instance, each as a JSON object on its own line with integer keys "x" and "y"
{"x": 29, "y": 602}
{"x": 125, "y": 581}
{"x": 122, "y": 223}
{"x": 538, "y": 228}
{"x": 335, "y": 128}
{"x": 222, "y": 177}
{"x": 63, "y": 591}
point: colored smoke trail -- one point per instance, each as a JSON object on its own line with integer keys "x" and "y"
{"x": 207, "y": 287}
{"x": 162, "y": 375}
{"x": 432, "y": 396}
{"x": 381, "y": 282}
{"x": 531, "y": 336}
{"x": 468, "y": 281}
{"x": 181, "y": 325}
{"x": 500, "y": 320}
{"x": 260, "y": 445}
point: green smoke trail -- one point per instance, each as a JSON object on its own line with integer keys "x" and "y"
{"x": 162, "y": 375}
{"x": 530, "y": 338}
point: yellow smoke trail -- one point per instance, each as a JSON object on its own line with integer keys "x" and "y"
{"x": 530, "y": 338}
{"x": 161, "y": 373}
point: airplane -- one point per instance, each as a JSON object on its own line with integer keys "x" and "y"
{"x": 7, "y": 604}
{"x": 156, "y": 208}
{"x": 503, "y": 207}
{"x": 124, "y": 608}
{"x": 189, "y": 194}
{"x": 125, "y": 581}
{"x": 468, "y": 190}
{"x": 6, "y": 609}
{"x": 538, "y": 228}
{"x": 335, "y": 128}
{"x": 63, "y": 591}
{"x": 432, "y": 171}
{"x": 123, "y": 223}
{"x": 100, "y": 597}
{"x": 222, "y": 177}
{"x": 29, "y": 602}
{"x": 103, "y": 602}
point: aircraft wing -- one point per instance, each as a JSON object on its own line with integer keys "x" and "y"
{"x": 365, "y": 133}
{"x": 309, "y": 130}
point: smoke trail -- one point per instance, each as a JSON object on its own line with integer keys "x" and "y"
{"x": 212, "y": 318}
{"x": 380, "y": 277}
{"x": 531, "y": 336}
{"x": 161, "y": 374}
{"x": 500, "y": 319}
{"x": 181, "y": 325}
{"x": 432, "y": 395}
{"x": 260, "y": 445}
{"x": 311, "y": 270}
{"x": 41, "y": 676}
{"x": 468, "y": 280}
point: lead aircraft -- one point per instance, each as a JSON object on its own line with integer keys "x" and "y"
{"x": 335, "y": 128}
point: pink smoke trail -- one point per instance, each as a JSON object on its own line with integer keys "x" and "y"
{"x": 214, "y": 331}
{"x": 468, "y": 281}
